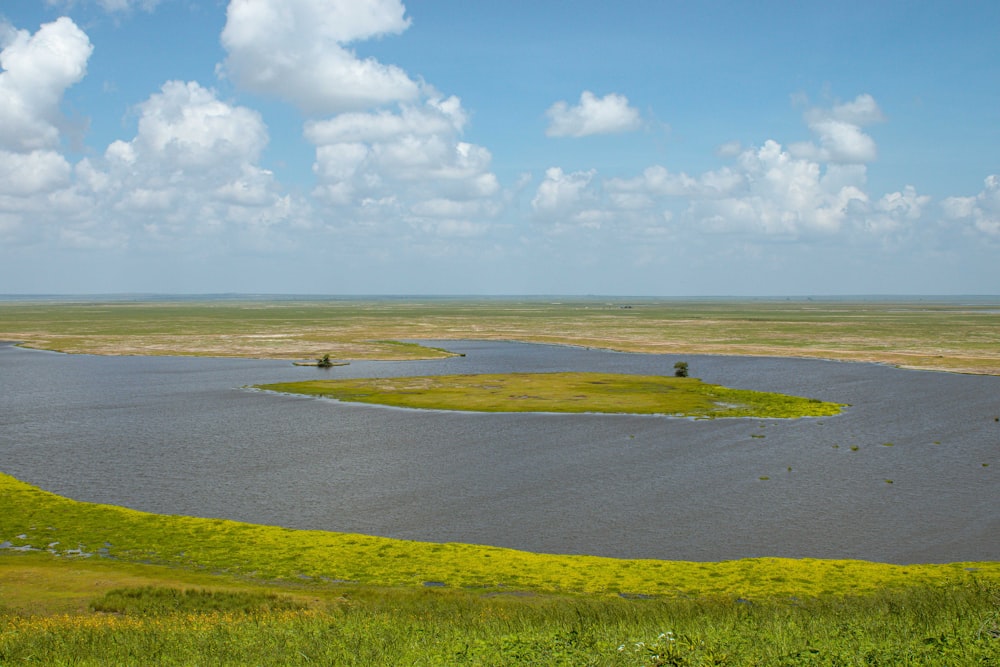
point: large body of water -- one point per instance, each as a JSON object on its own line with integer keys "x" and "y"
{"x": 181, "y": 436}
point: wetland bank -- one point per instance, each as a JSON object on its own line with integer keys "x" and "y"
{"x": 180, "y": 435}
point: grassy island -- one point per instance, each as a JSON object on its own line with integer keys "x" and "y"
{"x": 564, "y": 392}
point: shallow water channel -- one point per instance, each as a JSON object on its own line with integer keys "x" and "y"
{"x": 898, "y": 477}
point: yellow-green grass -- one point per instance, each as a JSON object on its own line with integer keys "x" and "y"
{"x": 58, "y": 607}
{"x": 564, "y": 392}
{"x": 933, "y": 626}
{"x": 247, "y": 552}
{"x": 927, "y": 333}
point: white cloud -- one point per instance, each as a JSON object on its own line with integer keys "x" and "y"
{"x": 185, "y": 125}
{"x": 191, "y": 152}
{"x": 838, "y": 130}
{"x": 606, "y": 115}
{"x": 36, "y": 70}
{"x": 296, "y": 50}
{"x": 37, "y": 172}
{"x": 435, "y": 117}
{"x": 658, "y": 181}
{"x": 982, "y": 210}
{"x": 862, "y": 110}
{"x": 729, "y": 149}
{"x": 767, "y": 193}
{"x": 895, "y": 210}
{"x": 411, "y": 165}
{"x": 190, "y": 174}
{"x": 562, "y": 194}
{"x": 781, "y": 196}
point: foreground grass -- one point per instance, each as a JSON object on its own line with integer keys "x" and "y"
{"x": 929, "y": 626}
{"x": 564, "y": 392}
{"x": 267, "y": 595}
{"x": 939, "y": 335}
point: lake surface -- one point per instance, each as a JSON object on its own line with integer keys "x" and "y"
{"x": 182, "y": 436}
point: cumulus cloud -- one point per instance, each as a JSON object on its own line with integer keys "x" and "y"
{"x": 593, "y": 115}
{"x": 410, "y": 164}
{"x": 187, "y": 126}
{"x": 779, "y": 195}
{"x": 297, "y": 50}
{"x": 895, "y": 210}
{"x": 35, "y": 178}
{"x": 659, "y": 181}
{"x": 561, "y": 193}
{"x": 768, "y": 192}
{"x": 436, "y": 116}
{"x": 190, "y": 173}
{"x": 35, "y": 70}
{"x": 26, "y": 174}
{"x": 190, "y": 143}
{"x": 838, "y": 131}
{"x": 981, "y": 211}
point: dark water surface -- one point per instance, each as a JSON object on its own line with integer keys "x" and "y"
{"x": 180, "y": 436}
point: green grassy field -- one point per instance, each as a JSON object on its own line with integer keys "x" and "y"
{"x": 564, "y": 392}
{"x": 925, "y": 333}
{"x": 108, "y": 585}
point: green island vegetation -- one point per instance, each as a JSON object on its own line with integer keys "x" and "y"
{"x": 88, "y": 584}
{"x": 937, "y": 334}
{"x": 564, "y": 392}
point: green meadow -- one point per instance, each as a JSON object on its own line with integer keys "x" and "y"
{"x": 87, "y": 584}
{"x": 564, "y": 392}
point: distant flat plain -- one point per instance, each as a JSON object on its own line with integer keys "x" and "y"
{"x": 957, "y": 334}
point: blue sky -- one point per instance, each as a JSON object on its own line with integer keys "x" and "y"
{"x": 453, "y": 147}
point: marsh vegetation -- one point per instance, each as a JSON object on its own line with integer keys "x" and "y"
{"x": 954, "y": 335}
{"x": 564, "y": 392}
{"x": 94, "y": 584}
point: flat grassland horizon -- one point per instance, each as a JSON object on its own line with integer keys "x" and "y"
{"x": 956, "y": 334}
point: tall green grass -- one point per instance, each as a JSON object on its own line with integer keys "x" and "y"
{"x": 944, "y": 625}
